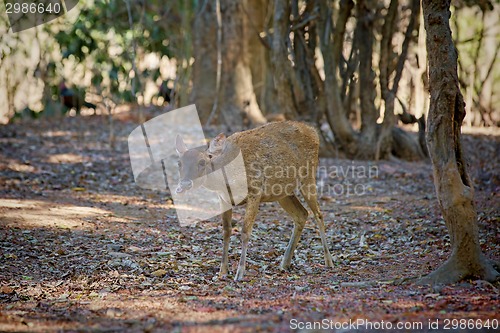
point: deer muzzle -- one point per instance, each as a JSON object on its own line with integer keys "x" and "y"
{"x": 184, "y": 185}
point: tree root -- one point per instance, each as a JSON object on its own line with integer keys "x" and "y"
{"x": 454, "y": 270}
{"x": 495, "y": 264}
{"x": 406, "y": 146}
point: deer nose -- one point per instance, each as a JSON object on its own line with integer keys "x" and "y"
{"x": 184, "y": 185}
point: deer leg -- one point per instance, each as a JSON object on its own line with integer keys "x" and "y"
{"x": 226, "y": 224}
{"x": 299, "y": 215}
{"x": 310, "y": 196}
{"x": 251, "y": 212}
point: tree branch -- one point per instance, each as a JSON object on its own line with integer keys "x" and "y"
{"x": 386, "y": 46}
{"x": 414, "y": 14}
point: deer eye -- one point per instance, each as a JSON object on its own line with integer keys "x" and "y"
{"x": 179, "y": 164}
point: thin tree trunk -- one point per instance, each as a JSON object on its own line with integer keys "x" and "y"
{"x": 257, "y": 12}
{"x": 302, "y": 89}
{"x": 369, "y": 114}
{"x": 303, "y": 55}
{"x": 335, "y": 113}
{"x": 282, "y": 67}
{"x": 453, "y": 186}
{"x": 389, "y": 94}
{"x": 205, "y": 54}
{"x": 421, "y": 94}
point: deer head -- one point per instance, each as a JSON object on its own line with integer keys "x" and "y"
{"x": 195, "y": 164}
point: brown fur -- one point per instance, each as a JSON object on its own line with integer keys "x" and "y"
{"x": 280, "y": 158}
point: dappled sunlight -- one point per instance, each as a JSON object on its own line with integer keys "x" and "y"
{"x": 491, "y": 131}
{"x": 18, "y": 204}
{"x": 56, "y": 134}
{"x": 42, "y": 214}
{"x": 66, "y": 158}
{"x": 108, "y": 197}
{"x": 192, "y": 208}
{"x": 20, "y": 167}
{"x": 368, "y": 208}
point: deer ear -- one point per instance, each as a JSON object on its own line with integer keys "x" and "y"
{"x": 217, "y": 145}
{"x": 180, "y": 146}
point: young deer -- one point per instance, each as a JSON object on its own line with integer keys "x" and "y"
{"x": 279, "y": 158}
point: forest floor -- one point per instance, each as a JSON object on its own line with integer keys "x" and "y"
{"x": 83, "y": 249}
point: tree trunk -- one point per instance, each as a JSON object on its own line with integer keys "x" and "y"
{"x": 205, "y": 55}
{"x": 238, "y": 102}
{"x": 421, "y": 91}
{"x": 335, "y": 113}
{"x": 326, "y": 85}
{"x": 260, "y": 55}
{"x": 282, "y": 67}
{"x": 369, "y": 114}
{"x": 452, "y": 182}
{"x": 304, "y": 47}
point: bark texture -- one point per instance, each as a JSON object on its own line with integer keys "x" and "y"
{"x": 238, "y": 102}
{"x": 369, "y": 113}
{"x": 205, "y": 54}
{"x": 372, "y": 141}
{"x": 280, "y": 71}
{"x": 389, "y": 93}
{"x": 281, "y": 64}
{"x": 335, "y": 113}
{"x": 204, "y": 67}
{"x": 258, "y": 13}
{"x": 452, "y": 182}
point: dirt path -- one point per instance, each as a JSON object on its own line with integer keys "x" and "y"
{"x": 83, "y": 249}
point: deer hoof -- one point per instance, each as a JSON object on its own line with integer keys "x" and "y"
{"x": 285, "y": 266}
{"x": 239, "y": 275}
{"x": 329, "y": 262}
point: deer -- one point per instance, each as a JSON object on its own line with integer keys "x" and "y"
{"x": 281, "y": 159}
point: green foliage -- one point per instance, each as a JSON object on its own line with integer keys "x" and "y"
{"x": 105, "y": 37}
